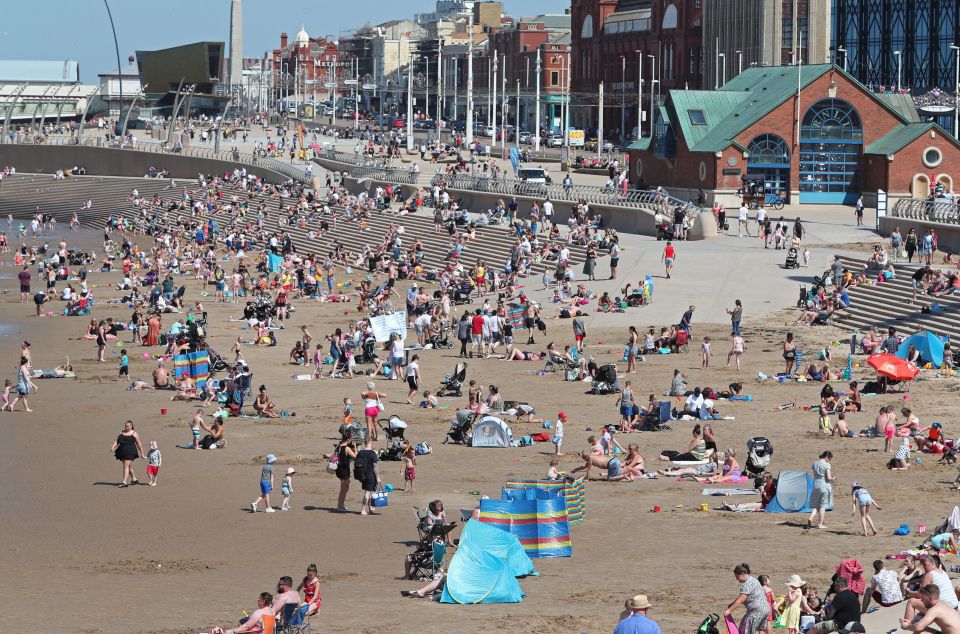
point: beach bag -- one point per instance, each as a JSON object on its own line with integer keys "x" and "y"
{"x": 526, "y": 441}
{"x": 333, "y": 463}
{"x": 380, "y": 498}
{"x": 423, "y": 448}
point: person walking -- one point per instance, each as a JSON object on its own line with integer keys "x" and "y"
{"x": 372, "y": 406}
{"x": 668, "y": 257}
{"x": 736, "y": 349}
{"x": 24, "y": 385}
{"x": 367, "y": 472}
{"x": 590, "y": 263}
{"x": 910, "y": 244}
{"x": 266, "y": 485}
{"x": 464, "y": 328}
{"x": 127, "y": 448}
{"x": 736, "y": 314}
{"x": 345, "y": 451}
{"x": 896, "y": 240}
{"x": 822, "y": 497}
{"x": 742, "y": 221}
{"x": 632, "y": 344}
{"x": 413, "y": 377}
{"x": 859, "y": 211}
{"x": 614, "y": 258}
{"x": 579, "y": 331}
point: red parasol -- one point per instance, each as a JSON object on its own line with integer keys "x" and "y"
{"x": 893, "y": 367}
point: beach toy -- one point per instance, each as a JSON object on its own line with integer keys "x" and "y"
{"x": 655, "y": 509}
{"x": 906, "y": 397}
{"x": 903, "y": 529}
{"x": 921, "y": 529}
{"x": 388, "y": 487}
{"x": 163, "y": 411}
{"x": 146, "y": 355}
{"x": 546, "y": 424}
{"x": 119, "y": 344}
{"x": 919, "y": 461}
{"x": 704, "y": 507}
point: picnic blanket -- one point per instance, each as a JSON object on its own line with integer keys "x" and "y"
{"x": 725, "y": 492}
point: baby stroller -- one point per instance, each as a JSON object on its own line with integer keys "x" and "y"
{"x": 460, "y": 428}
{"x": 461, "y": 293}
{"x": 792, "y": 262}
{"x": 452, "y": 383}
{"x": 759, "y": 452}
{"x": 605, "y": 381}
{"x": 440, "y": 340}
{"x": 392, "y": 452}
{"x": 393, "y": 428}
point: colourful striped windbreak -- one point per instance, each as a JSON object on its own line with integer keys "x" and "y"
{"x": 573, "y": 493}
{"x": 540, "y": 524}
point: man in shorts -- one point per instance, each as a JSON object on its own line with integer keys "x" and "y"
{"x": 579, "y": 331}
{"x": 476, "y": 333}
{"x": 590, "y": 461}
{"x": 24, "y": 277}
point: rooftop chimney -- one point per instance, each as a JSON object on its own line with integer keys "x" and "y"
{"x": 283, "y": 40}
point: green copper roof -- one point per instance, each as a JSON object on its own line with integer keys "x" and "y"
{"x": 898, "y": 138}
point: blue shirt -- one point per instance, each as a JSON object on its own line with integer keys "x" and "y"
{"x": 124, "y": 361}
{"x": 637, "y": 624}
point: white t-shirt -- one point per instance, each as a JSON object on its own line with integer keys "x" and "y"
{"x": 396, "y": 349}
{"x": 548, "y": 209}
{"x": 744, "y": 212}
{"x": 761, "y": 214}
{"x": 412, "y": 368}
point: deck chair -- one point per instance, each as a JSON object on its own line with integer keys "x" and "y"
{"x": 422, "y": 530}
{"x": 269, "y": 624}
{"x": 293, "y": 619}
{"x": 658, "y": 422}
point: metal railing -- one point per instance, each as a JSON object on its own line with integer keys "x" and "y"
{"x": 286, "y": 169}
{"x": 634, "y": 198}
{"x": 913, "y": 209}
{"x": 367, "y": 167}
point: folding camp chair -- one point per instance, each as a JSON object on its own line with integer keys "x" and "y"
{"x": 293, "y": 620}
{"x": 427, "y": 560}
{"x": 423, "y": 530}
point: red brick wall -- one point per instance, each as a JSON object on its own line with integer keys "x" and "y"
{"x": 908, "y": 162}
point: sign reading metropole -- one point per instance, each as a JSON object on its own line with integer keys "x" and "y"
{"x": 385, "y": 325}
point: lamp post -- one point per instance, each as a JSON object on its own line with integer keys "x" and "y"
{"x": 14, "y": 97}
{"x": 83, "y": 117}
{"x": 536, "y": 116}
{"x": 653, "y": 83}
{"x": 899, "y": 56}
{"x": 469, "y": 121}
{"x": 956, "y": 93}
{"x": 623, "y": 96}
{"x": 126, "y": 119}
{"x": 216, "y": 132}
{"x": 639, "y": 94}
{"x": 410, "y": 104}
{"x": 439, "y": 85}
{"x": 493, "y": 118}
{"x": 844, "y": 51}
{"x": 116, "y": 47}
{"x": 739, "y": 61}
{"x": 723, "y": 67}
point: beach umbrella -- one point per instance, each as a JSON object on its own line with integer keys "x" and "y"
{"x": 893, "y": 367}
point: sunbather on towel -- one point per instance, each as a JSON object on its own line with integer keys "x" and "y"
{"x": 729, "y": 472}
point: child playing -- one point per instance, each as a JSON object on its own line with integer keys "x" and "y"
{"x": 889, "y": 431}
{"x": 7, "y": 386}
{"x": 266, "y": 485}
{"x": 768, "y": 593}
{"x": 124, "y": 364}
{"x": 154, "y": 460}
{"x": 429, "y": 400}
{"x": 706, "y": 351}
{"x": 286, "y": 487}
{"x": 409, "y": 466}
{"x": 318, "y": 360}
{"x": 347, "y": 411}
{"x": 862, "y": 502}
{"x": 824, "y": 424}
{"x": 558, "y": 432}
{"x": 841, "y": 429}
{"x": 552, "y": 472}
{"x": 195, "y": 426}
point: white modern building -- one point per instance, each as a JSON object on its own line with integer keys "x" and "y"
{"x": 47, "y": 90}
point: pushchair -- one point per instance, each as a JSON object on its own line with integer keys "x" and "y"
{"x": 461, "y": 293}
{"x": 658, "y": 420}
{"x": 440, "y": 340}
{"x": 605, "y": 381}
{"x": 452, "y": 383}
{"x": 393, "y": 428}
{"x": 792, "y": 262}
{"x": 393, "y": 452}
{"x": 460, "y": 431}
{"x": 759, "y": 452}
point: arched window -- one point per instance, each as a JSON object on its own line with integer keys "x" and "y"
{"x": 831, "y": 144}
{"x": 670, "y": 17}
{"x": 587, "y": 30}
{"x": 769, "y": 150}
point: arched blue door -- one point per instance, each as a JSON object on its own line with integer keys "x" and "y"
{"x": 831, "y": 144}
{"x": 770, "y": 157}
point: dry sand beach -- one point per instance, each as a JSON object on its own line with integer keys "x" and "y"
{"x": 81, "y": 555}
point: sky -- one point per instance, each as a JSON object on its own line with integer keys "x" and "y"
{"x": 80, "y": 29}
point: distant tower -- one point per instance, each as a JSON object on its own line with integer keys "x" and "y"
{"x": 236, "y": 43}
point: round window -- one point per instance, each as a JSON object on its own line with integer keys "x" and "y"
{"x": 639, "y": 167}
{"x": 932, "y": 157}
{"x": 703, "y": 171}
{"x": 732, "y": 161}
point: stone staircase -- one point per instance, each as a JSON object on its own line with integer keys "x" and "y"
{"x": 890, "y": 304}
{"x": 22, "y": 194}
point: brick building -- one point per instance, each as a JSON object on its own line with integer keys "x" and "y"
{"x": 613, "y": 37}
{"x": 849, "y": 140}
{"x": 301, "y": 68}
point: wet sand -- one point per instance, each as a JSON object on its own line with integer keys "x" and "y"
{"x": 188, "y": 554}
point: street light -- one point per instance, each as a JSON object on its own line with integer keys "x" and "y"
{"x": 739, "y": 61}
{"x": 899, "y": 55}
{"x": 653, "y": 83}
{"x": 639, "y": 94}
{"x": 956, "y": 94}
{"x": 844, "y": 51}
{"x": 623, "y": 97}
{"x": 116, "y": 47}
{"x": 723, "y": 66}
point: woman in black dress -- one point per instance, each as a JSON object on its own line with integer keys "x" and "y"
{"x": 127, "y": 448}
{"x": 346, "y": 451}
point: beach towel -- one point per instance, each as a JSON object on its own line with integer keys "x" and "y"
{"x": 725, "y": 492}
{"x": 731, "y": 625}
{"x": 742, "y": 507}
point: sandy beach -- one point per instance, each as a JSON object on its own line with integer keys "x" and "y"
{"x": 188, "y": 554}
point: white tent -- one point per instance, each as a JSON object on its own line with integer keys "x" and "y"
{"x": 491, "y": 431}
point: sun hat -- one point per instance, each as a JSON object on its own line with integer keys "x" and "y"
{"x": 271, "y": 458}
{"x": 291, "y": 470}
{"x": 562, "y": 416}
{"x": 795, "y": 581}
{"x": 638, "y": 602}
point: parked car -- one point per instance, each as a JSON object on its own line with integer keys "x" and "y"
{"x": 554, "y": 141}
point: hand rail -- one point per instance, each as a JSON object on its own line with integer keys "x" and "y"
{"x": 930, "y": 211}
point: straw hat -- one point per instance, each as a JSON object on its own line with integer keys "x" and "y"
{"x": 291, "y": 470}
{"x": 795, "y": 581}
{"x": 638, "y": 602}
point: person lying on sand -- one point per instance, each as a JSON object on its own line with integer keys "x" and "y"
{"x": 611, "y": 464}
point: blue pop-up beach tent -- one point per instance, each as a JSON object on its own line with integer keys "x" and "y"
{"x": 928, "y": 344}
{"x": 793, "y": 493}
{"x": 486, "y": 566}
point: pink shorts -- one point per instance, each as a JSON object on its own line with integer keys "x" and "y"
{"x": 152, "y": 470}
{"x": 888, "y": 432}
{"x": 372, "y": 411}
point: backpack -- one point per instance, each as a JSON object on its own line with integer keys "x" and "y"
{"x": 360, "y": 467}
